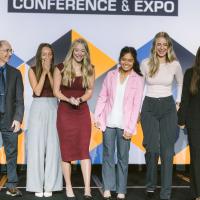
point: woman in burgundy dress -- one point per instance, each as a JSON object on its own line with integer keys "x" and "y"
{"x": 73, "y": 85}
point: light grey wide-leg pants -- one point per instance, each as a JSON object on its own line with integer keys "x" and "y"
{"x": 43, "y": 151}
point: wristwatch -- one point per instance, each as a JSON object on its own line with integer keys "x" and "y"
{"x": 80, "y": 100}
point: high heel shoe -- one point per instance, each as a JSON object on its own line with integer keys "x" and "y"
{"x": 71, "y": 198}
{"x": 107, "y": 198}
{"x": 88, "y": 197}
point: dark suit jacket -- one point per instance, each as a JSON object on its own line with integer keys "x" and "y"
{"x": 14, "y": 99}
{"x": 189, "y": 112}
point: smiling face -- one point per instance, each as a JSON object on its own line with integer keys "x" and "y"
{"x": 127, "y": 62}
{"x": 46, "y": 54}
{"x": 5, "y": 53}
{"x": 161, "y": 47}
{"x": 79, "y": 53}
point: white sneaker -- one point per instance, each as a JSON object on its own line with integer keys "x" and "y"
{"x": 121, "y": 196}
{"x": 39, "y": 194}
{"x": 47, "y": 194}
{"x": 107, "y": 194}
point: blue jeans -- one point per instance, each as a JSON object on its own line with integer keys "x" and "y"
{"x": 10, "y": 141}
{"x": 115, "y": 180}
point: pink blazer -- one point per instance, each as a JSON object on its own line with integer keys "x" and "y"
{"x": 131, "y": 103}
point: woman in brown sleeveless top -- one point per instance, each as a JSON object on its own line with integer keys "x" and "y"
{"x": 44, "y": 174}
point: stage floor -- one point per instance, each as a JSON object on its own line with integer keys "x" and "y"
{"x": 135, "y": 188}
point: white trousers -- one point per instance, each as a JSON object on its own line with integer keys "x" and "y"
{"x": 43, "y": 152}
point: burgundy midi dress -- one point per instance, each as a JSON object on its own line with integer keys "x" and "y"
{"x": 73, "y": 123}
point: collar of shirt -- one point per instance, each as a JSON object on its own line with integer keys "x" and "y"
{"x": 4, "y": 70}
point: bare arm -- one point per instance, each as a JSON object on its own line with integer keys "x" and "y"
{"x": 57, "y": 77}
{"x": 46, "y": 66}
{"x": 89, "y": 91}
{"x": 36, "y": 86}
{"x": 50, "y": 79}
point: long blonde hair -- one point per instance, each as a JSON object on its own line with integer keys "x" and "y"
{"x": 154, "y": 61}
{"x": 86, "y": 68}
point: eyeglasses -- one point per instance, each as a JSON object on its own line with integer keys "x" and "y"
{"x": 11, "y": 51}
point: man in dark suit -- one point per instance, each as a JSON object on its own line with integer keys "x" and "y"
{"x": 11, "y": 113}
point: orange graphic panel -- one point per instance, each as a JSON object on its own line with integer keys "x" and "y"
{"x": 183, "y": 157}
{"x": 138, "y": 138}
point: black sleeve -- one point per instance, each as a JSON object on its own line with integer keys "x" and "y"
{"x": 185, "y": 98}
{"x": 19, "y": 99}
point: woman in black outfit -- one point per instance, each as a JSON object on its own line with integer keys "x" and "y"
{"x": 189, "y": 117}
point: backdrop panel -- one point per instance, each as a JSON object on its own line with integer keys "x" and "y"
{"x": 108, "y": 26}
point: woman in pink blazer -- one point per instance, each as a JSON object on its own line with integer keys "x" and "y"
{"x": 116, "y": 115}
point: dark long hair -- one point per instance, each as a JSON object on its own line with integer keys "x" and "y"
{"x": 194, "y": 86}
{"x": 133, "y": 52}
{"x": 39, "y": 60}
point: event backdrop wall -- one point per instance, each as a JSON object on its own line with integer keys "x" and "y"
{"x": 107, "y": 25}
